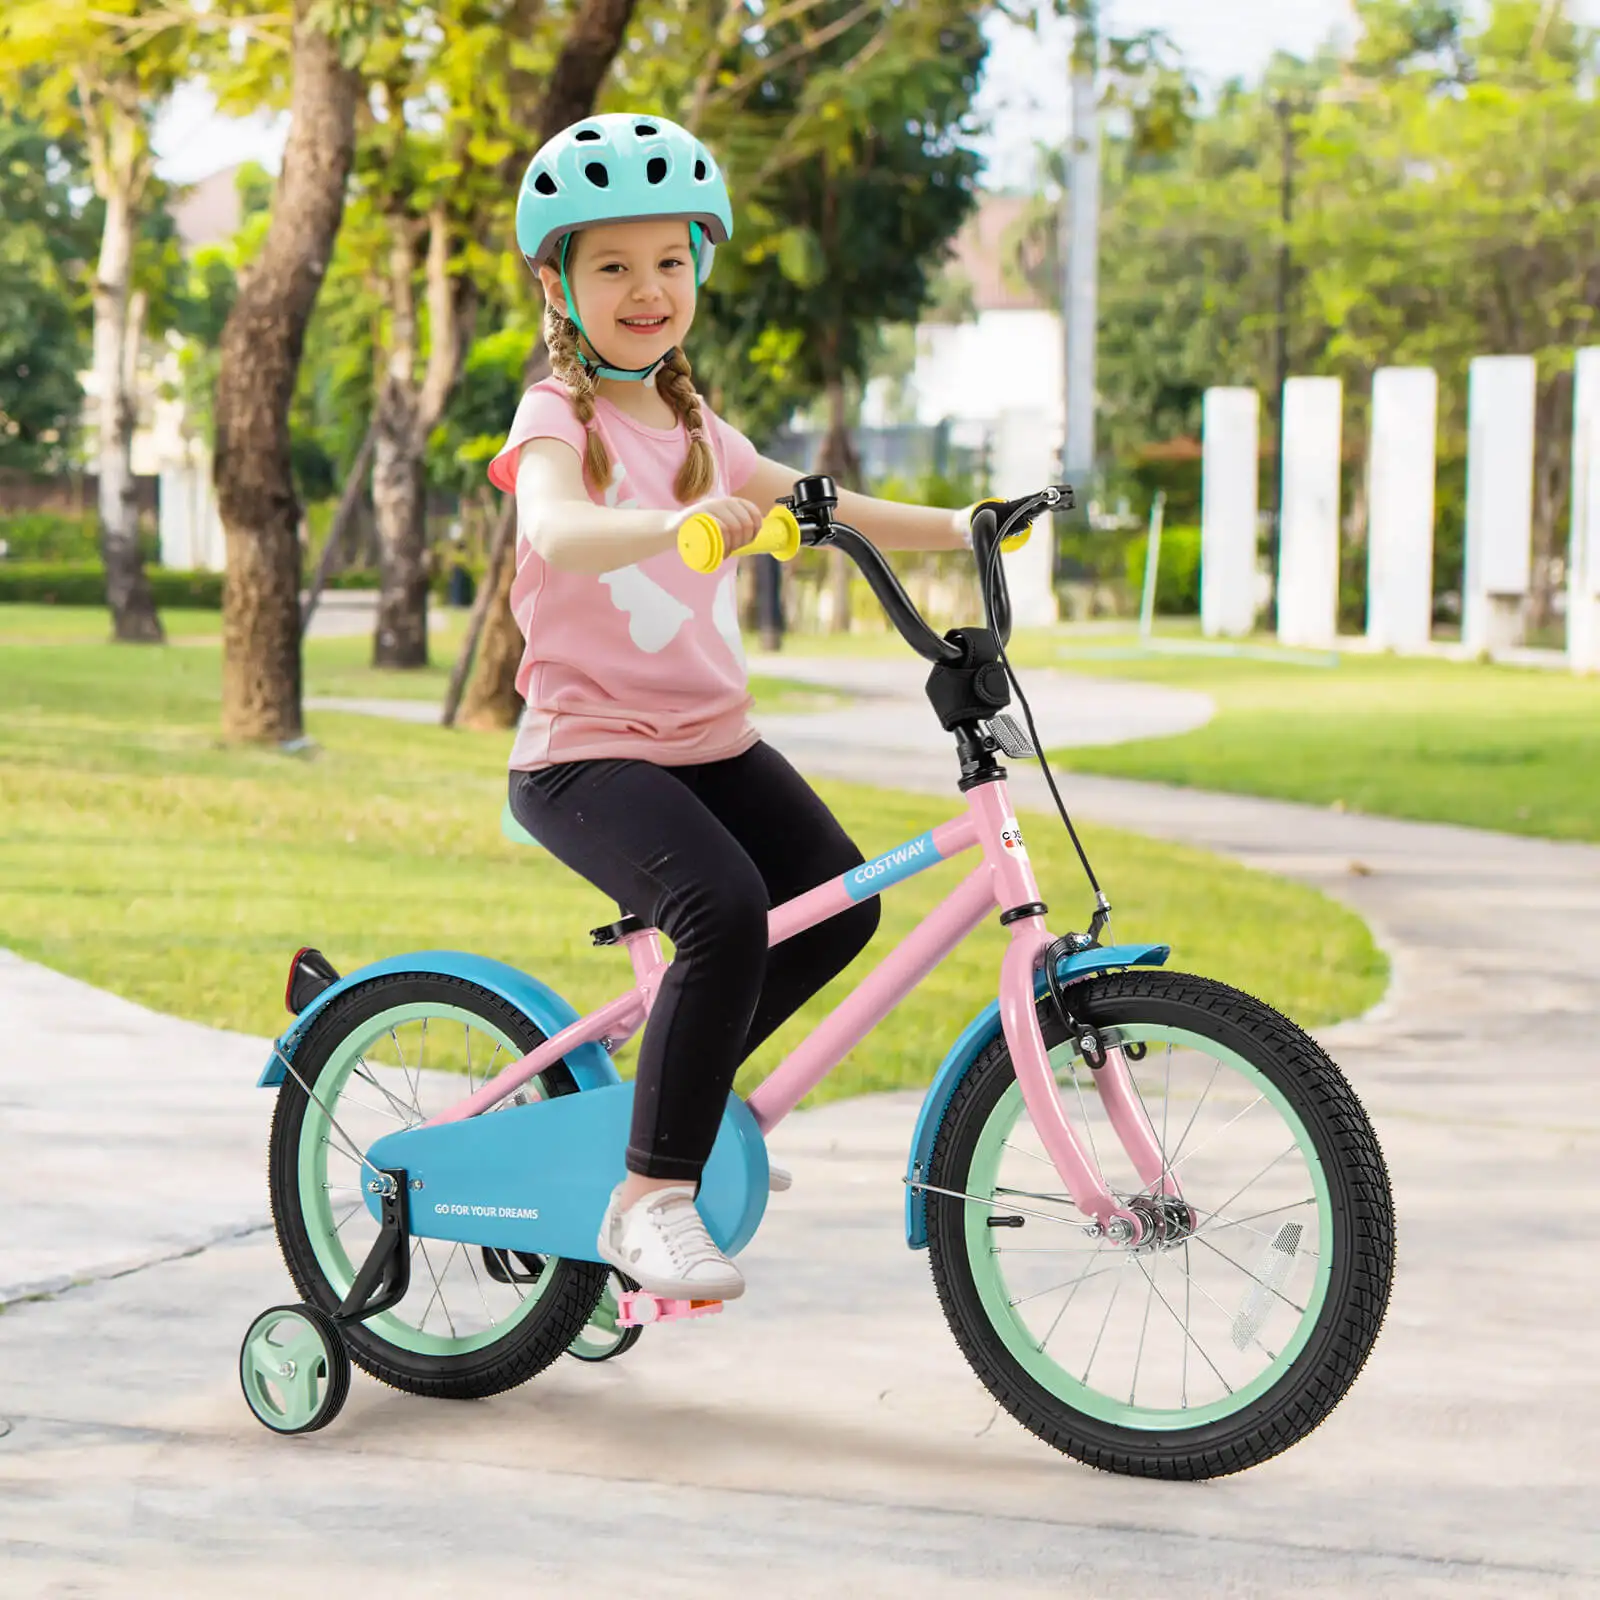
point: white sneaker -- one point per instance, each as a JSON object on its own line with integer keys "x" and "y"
{"x": 779, "y": 1179}
{"x": 661, "y": 1242}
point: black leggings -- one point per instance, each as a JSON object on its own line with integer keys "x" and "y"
{"x": 702, "y": 853}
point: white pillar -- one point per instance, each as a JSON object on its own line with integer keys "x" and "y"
{"x": 1308, "y": 559}
{"x": 1228, "y": 511}
{"x": 1403, "y": 462}
{"x": 1024, "y": 457}
{"x": 1500, "y": 402}
{"x": 1583, "y": 561}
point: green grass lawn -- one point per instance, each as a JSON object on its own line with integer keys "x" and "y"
{"x": 139, "y": 853}
{"x": 1510, "y": 748}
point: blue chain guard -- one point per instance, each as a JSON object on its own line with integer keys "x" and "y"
{"x": 537, "y": 1177}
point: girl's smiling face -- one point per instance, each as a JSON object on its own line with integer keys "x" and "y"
{"x": 634, "y": 286}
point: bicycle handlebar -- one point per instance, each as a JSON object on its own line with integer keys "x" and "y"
{"x": 805, "y": 517}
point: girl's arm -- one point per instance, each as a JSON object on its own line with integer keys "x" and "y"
{"x": 887, "y": 523}
{"x": 557, "y": 517}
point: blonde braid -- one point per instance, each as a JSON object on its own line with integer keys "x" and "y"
{"x": 561, "y": 339}
{"x": 698, "y": 474}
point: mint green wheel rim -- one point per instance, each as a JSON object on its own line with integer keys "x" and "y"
{"x": 983, "y": 1255}
{"x": 318, "y": 1208}
{"x": 286, "y": 1370}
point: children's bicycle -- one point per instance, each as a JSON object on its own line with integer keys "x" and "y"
{"x": 1158, "y": 1220}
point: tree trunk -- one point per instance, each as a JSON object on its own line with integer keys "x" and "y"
{"x": 407, "y": 414}
{"x": 586, "y": 55}
{"x": 489, "y": 596}
{"x": 261, "y": 348}
{"x": 116, "y": 337}
{"x": 1552, "y": 479}
{"x": 836, "y": 456}
{"x": 344, "y": 514}
{"x": 491, "y": 700}
{"x": 400, "y": 637}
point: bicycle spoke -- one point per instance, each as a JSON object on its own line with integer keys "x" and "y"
{"x": 1249, "y": 1274}
{"x": 1087, "y": 1126}
{"x": 1227, "y": 1222}
{"x": 438, "y": 1292}
{"x": 1144, "y": 1328}
{"x": 358, "y": 1206}
{"x": 1260, "y": 1175}
{"x": 1059, "y": 1198}
{"x": 489, "y": 1316}
{"x": 1271, "y": 1355}
{"x": 1005, "y": 1144}
{"x": 1210, "y": 1138}
{"x": 1216, "y": 1067}
{"x": 1039, "y": 1294}
{"x": 405, "y": 1072}
{"x": 1110, "y": 1304}
{"x": 401, "y": 1112}
{"x": 1183, "y": 1323}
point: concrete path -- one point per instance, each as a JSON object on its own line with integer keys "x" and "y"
{"x": 887, "y": 703}
{"x": 824, "y": 1437}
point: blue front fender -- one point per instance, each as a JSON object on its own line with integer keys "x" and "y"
{"x": 542, "y": 1006}
{"x": 975, "y": 1039}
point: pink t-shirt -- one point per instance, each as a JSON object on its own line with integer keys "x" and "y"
{"x": 643, "y": 662}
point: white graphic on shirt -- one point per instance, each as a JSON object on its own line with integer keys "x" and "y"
{"x": 725, "y": 615}
{"x": 654, "y": 616}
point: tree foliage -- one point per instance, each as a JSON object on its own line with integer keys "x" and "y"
{"x": 1445, "y": 205}
{"x": 46, "y": 247}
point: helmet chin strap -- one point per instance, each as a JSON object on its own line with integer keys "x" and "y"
{"x": 597, "y": 368}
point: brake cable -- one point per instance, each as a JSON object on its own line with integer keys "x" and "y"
{"x": 1102, "y": 912}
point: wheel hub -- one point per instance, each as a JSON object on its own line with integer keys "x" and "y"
{"x": 1165, "y": 1222}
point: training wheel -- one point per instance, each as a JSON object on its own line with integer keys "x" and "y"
{"x": 294, "y": 1369}
{"x": 603, "y": 1336}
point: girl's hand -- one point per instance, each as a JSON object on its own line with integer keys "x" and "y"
{"x": 740, "y": 519}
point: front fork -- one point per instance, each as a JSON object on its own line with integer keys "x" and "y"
{"x": 1030, "y": 1059}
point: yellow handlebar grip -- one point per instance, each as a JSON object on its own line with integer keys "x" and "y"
{"x": 700, "y": 543}
{"x": 703, "y": 548}
{"x": 1017, "y": 540}
{"x": 779, "y": 535}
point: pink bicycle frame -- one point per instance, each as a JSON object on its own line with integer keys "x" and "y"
{"x": 1003, "y": 880}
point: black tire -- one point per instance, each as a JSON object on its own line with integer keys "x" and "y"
{"x": 565, "y": 1303}
{"x": 335, "y": 1369}
{"x": 601, "y": 1339}
{"x": 1357, "y": 1286}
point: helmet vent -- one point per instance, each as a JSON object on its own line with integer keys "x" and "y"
{"x": 596, "y": 173}
{"x": 589, "y": 134}
{"x": 656, "y": 169}
{"x": 699, "y": 171}
{"x": 545, "y": 184}
{"x": 645, "y": 130}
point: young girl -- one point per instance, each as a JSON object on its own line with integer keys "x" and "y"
{"x": 636, "y": 763}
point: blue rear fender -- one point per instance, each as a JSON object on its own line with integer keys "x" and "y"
{"x": 974, "y": 1040}
{"x": 538, "y": 1002}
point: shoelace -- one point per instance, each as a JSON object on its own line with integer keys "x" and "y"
{"x": 680, "y": 1226}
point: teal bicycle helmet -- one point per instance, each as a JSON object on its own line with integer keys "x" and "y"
{"x": 620, "y": 167}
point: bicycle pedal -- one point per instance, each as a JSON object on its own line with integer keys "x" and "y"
{"x": 1011, "y": 739}
{"x": 636, "y": 1307}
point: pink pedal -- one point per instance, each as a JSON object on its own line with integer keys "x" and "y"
{"x": 635, "y": 1307}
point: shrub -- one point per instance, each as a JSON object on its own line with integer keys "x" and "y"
{"x": 1177, "y": 579}
{"x": 83, "y": 583}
